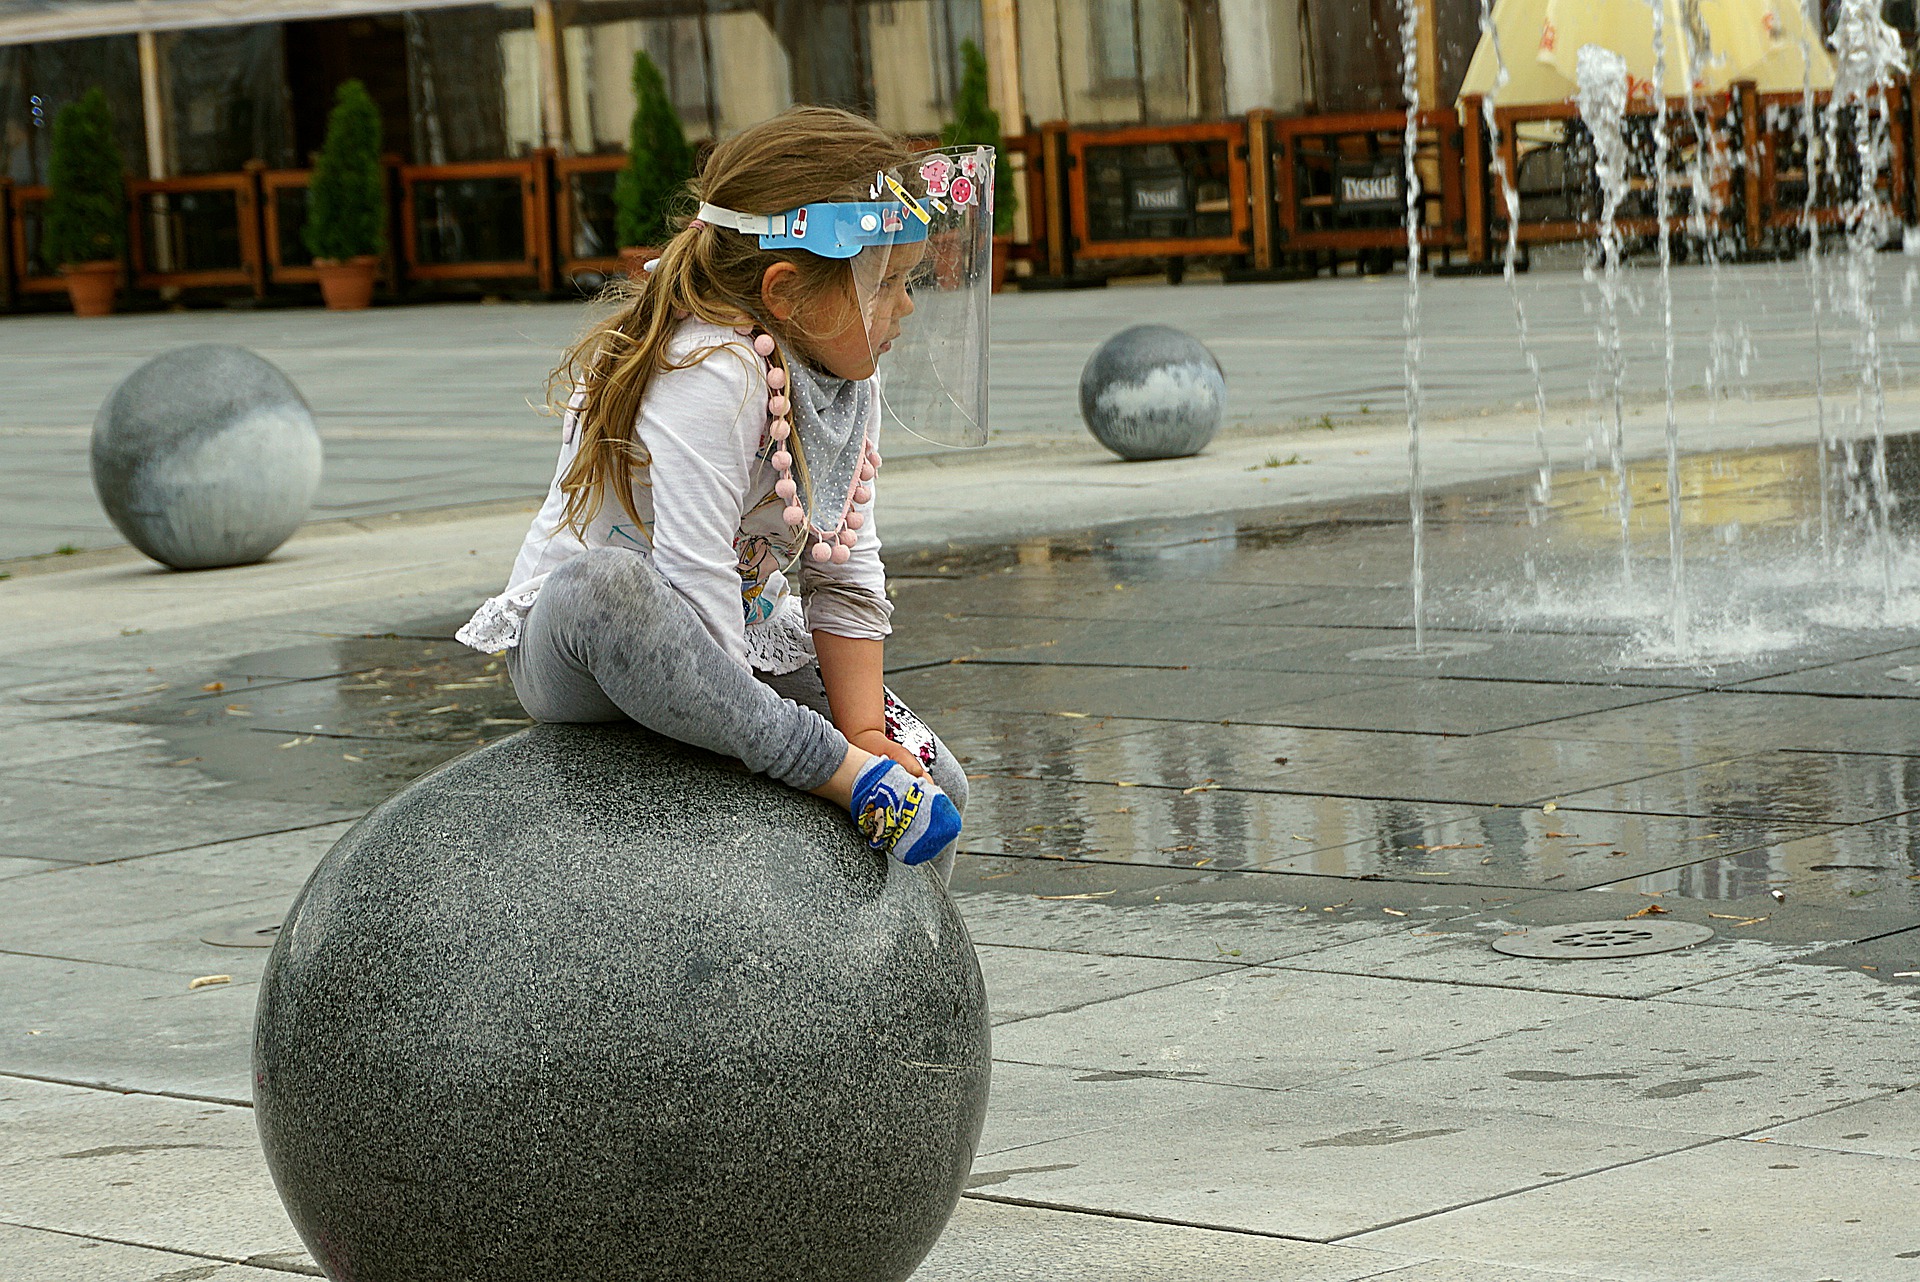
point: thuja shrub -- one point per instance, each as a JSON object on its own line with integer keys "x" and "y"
{"x": 659, "y": 160}
{"x": 346, "y": 198}
{"x": 86, "y": 211}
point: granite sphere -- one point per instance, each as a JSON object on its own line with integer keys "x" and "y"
{"x": 206, "y": 456}
{"x": 588, "y": 1005}
{"x": 1153, "y": 391}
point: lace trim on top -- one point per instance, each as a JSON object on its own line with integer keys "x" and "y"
{"x": 782, "y": 644}
{"x": 495, "y": 626}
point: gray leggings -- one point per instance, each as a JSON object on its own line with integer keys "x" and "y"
{"x": 609, "y": 639}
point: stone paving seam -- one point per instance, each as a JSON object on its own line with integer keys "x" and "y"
{"x": 108, "y": 1088}
{"x": 254, "y": 1262}
{"x": 1226, "y": 969}
{"x": 1138, "y": 1217}
{"x": 1454, "y": 981}
{"x": 203, "y": 845}
{"x": 1532, "y": 1188}
{"x": 88, "y": 961}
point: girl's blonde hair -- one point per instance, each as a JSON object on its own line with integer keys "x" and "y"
{"x": 803, "y": 155}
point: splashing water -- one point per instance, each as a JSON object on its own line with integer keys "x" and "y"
{"x": 1509, "y": 269}
{"x": 1867, "y": 57}
{"x": 1662, "y": 221}
{"x": 1410, "y": 319}
{"x": 1811, "y": 139}
{"x": 1602, "y": 76}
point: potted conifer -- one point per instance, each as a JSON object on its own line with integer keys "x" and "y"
{"x": 976, "y": 124}
{"x": 659, "y": 162}
{"x": 346, "y": 227}
{"x": 86, "y": 211}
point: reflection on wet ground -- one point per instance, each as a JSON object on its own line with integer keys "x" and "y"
{"x": 1213, "y": 700}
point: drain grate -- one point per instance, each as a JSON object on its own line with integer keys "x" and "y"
{"x": 1407, "y": 652}
{"x": 1602, "y": 939}
{"x": 255, "y": 932}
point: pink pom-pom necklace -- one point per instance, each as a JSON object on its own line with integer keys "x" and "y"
{"x": 835, "y": 544}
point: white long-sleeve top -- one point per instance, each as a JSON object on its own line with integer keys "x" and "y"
{"x": 710, "y": 520}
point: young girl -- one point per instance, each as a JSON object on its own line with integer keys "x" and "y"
{"x": 706, "y": 562}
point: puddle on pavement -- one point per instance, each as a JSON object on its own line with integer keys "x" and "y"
{"x": 347, "y": 720}
{"x": 1311, "y": 609}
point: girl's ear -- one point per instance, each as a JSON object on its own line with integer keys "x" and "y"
{"x": 773, "y": 290}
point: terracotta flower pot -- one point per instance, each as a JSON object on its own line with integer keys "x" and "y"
{"x": 1002, "y": 261}
{"x": 634, "y": 259}
{"x": 347, "y": 285}
{"x": 92, "y": 286}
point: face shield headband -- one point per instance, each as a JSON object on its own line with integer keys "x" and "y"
{"x": 831, "y": 229}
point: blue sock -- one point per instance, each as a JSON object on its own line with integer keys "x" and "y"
{"x": 909, "y": 818}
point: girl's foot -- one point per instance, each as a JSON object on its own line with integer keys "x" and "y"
{"x": 908, "y": 818}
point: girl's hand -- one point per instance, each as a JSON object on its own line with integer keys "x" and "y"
{"x": 876, "y": 742}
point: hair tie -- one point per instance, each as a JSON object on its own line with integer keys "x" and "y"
{"x": 695, "y": 225}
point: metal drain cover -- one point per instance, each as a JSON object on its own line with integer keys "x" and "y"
{"x": 254, "y": 932}
{"x": 1602, "y": 939}
{"x": 1406, "y": 651}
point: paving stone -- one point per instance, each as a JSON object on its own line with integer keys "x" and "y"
{"x": 989, "y": 1240}
{"x": 1276, "y": 1028}
{"x": 1887, "y": 675}
{"x": 152, "y": 912}
{"x": 1312, "y": 1164}
{"x": 1888, "y": 1126}
{"x": 1726, "y": 724}
{"x": 1461, "y": 952}
{"x": 1524, "y": 846}
{"x": 36, "y": 743}
{"x": 86, "y": 823}
{"x": 1037, "y": 1104}
{"x": 1476, "y": 1271}
{"x": 1462, "y": 706}
{"x": 1199, "y": 694}
{"x": 1801, "y": 787}
{"x": 129, "y": 1028}
{"x": 1721, "y": 1072}
{"x": 1115, "y": 910}
{"x": 1507, "y": 769}
{"x": 1775, "y": 1213}
{"x": 1863, "y": 869}
{"x": 1024, "y": 982}
{"x": 36, "y": 1255}
{"x": 1201, "y": 826}
{"x": 141, "y": 1170}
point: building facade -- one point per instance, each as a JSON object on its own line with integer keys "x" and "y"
{"x": 204, "y": 86}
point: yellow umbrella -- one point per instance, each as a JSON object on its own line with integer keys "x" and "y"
{"x": 1732, "y": 40}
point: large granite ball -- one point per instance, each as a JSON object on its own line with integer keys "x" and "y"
{"x": 1153, "y": 391}
{"x": 592, "y": 1006}
{"x": 206, "y": 456}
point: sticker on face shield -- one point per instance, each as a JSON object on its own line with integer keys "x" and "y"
{"x": 799, "y": 230}
{"x": 906, "y": 198}
{"x": 891, "y": 221}
{"x": 936, "y": 173}
{"x": 962, "y": 191}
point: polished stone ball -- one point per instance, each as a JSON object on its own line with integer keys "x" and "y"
{"x": 1153, "y": 391}
{"x": 589, "y": 1005}
{"x": 206, "y": 456}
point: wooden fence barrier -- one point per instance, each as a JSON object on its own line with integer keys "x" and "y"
{"x": 31, "y": 275}
{"x": 199, "y": 232}
{"x": 480, "y": 220}
{"x": 1341, "y": 183}
{"x": 1271, "y": 193}
{"x": 583, "y": 218}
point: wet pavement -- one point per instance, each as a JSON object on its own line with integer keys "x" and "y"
{"x": 426, "y": 407}
{"x": 1237, "y": 860}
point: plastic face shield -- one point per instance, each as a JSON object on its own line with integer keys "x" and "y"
{"x": 923, "y": 285}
